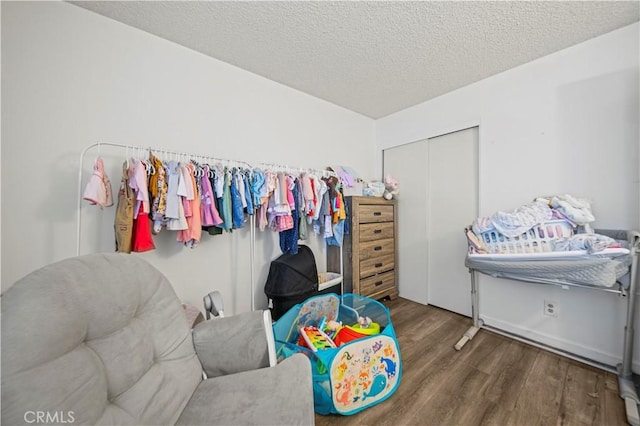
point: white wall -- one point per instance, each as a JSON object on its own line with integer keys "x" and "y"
{"x": 565, "y": 123}
{"x": 71, "y": 78}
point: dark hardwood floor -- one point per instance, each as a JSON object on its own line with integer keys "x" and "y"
{"x": 493, "y": 380}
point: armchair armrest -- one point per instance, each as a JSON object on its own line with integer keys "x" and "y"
{"x": 233, "y": 344}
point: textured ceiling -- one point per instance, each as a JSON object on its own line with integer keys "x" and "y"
{"x": 376, "y": 57}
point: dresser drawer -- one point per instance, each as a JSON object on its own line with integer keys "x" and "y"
{"x": 374, "y": 213}
{"x": 376, "y": 231}
{"x": 379, "y": 248}
{"x": 376, "y": 265}
{"x": 378, "y": 283}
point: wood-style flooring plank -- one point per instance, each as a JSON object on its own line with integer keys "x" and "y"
{"x": 540, "y": 398}
{"x": 507, "y": 383}
{"x": 583, "y": 396}
{"x": 463, "y": 403}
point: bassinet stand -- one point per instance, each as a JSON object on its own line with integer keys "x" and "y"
{"x": 626, "y": 383}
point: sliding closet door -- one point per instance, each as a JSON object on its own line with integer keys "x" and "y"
{"x": 438, "y": 198}
{"x": 407, "y": 164}
{"x": 453, "y": 204}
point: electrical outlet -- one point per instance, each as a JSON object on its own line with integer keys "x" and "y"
{"x": 551, "y": 308}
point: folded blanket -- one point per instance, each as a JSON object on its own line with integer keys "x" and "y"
{"x": 521, "y": 219}
{"x": 576, "y": 210}
{"x": 592, "y": 243}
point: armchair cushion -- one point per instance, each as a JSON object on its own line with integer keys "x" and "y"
{"x": 280, "y": 395}
{"x": 232, "y": 344}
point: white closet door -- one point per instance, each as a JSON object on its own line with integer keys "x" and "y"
{"x": 407, "y": 164}
{"x": 438, "y": 199}
{"x": 453, "y": 203}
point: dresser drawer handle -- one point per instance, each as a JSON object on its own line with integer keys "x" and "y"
{"x": 377, "y": 213}
{"x": 377, "y": 231}
{"x": 377, "y": 283}
{"x": 377, "y": 265}
{"x": 377, "y": 248}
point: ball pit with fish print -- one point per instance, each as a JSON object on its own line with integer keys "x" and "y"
{"x": 352, "y": 377}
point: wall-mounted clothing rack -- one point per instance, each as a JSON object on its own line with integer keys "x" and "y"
{"x": 141, "y": 152}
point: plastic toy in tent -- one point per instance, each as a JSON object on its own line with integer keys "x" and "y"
{"x": 364, "y": 370}
{"x": 316, "y": 339}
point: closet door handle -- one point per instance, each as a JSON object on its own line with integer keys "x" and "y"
{"x": 377, "y": 231}
{"x": 377, "y": 213}
{"x": 379, "y": 264}
{"x": 377, "y": 248}
{"x": 377, "y": 283}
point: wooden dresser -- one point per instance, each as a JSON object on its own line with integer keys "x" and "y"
{"x": 370, "y": 249}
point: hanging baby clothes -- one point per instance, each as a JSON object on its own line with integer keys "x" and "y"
{"x": 173, "y": 171}
{"x": 332, "y": 214}
{"x": 174, "y": 214}
{"x": 209, "y": 213}
{"x": 237, "y": 208}
{"x": 247, "y": 192}
{"x": 302, "y": 220}
{"x": 98, "y": 190}
{"x": 279, "y": 208}
{"x": 186, "y": 194}
{"x": 266, "y": 189}
{"x": 319, "y": 189}
{"x": 284, "y": 220}
{"x": 322, "y": 218}
{"x": 213, "y": 229}
{"x": 339, "y": 219}
{"x": 158, "y": 191}
{"x": 224, "y": 198}
{"x": 256, "y": 185}
{"x": 141, "y": 238}
{"x": 347, "y": 225}
{"x": 327, "y": 223}
{"x": 307, "y": 192}
{"x": 239, "y": 177}
{"x": 191, "y": 236}
{"x": 338, "y": 208}
{"x": 289, "y": 238}
{"x": 138, "y": 182}
{"x": 124, "y": 213}
{"x": 186, "y": 191}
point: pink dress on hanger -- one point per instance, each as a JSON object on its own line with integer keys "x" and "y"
{"x": 208, "y": 211}
{"x": 191, "y": 236}
{"x": 98, "y": 190}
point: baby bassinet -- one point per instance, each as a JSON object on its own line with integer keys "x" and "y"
{"x": 356, "y": 375}
{"x": 528, "y": 258}
{"x": 292, "y": 279}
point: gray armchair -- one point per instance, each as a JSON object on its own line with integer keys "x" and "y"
{"x": 102, "y": 339}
